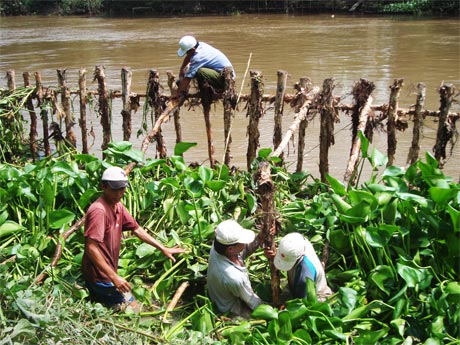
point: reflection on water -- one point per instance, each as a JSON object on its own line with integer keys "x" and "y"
{"x": 319, "y": 46}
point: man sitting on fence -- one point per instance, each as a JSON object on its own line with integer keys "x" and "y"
{"x": 203, "y": 62}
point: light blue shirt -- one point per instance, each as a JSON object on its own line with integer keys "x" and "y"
{"x": 208, "y": 57}
{"x": 229, "y": 286}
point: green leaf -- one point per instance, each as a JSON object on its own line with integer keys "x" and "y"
{"x": 144, "y": 250}
{"x": 10, "y": 227}
{"x": 414, "y": 276}
{"x": 216, "y": 185}
{"x": 182, "y": 147}
{"x": 377, "y": 158}
{"x": 442, "y": 195}
{"x": 337, "y": 186}
{"x": 264, "y": 153}
{"x": 23, "y": 327}
{"x": 264, "y": 312}
{"x": 181, "y": 211}
{"x": 205, "y": 173}
{"x": 383, "y": 277}
{"x": 59, "y": 218}
{"x": 120, "y": 145}
{"x": 364, "y": 144}
{"x": 285, "y": 331}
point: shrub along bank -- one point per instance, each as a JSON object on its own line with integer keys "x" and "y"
{"x": 393, "y": 261}
{"x": 197, "y": 7}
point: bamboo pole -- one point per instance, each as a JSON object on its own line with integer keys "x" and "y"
{"x": 362, "y": 94}
{"x": 255, "y": 112}
{"x": 392, "y": 117}
{"x": 229, "y": 98}
{"x": 83, "y": 100}
{"x": 126, "y": 77}
{"x": 266, "y": 190}
{"x": 279, "y": 107}
{"x": 33, "y": 118}
{"x": 65, "y": 101}
{"x": 445, "y": 131}
{"x": 104, "y": 110}
{"x": 326, "y": 136}
{"x": 417, "y": 130}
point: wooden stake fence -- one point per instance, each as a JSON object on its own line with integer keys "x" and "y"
{"x": 307, "y": 102}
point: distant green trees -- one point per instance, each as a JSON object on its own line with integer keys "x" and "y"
{"x": 197, "y": 7}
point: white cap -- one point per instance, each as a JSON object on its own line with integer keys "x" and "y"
{"x": 290, "y": 249}
{"x": 186, "y": 43}
{"x": 115, "y": 177}
{"x": 230, "y": 232}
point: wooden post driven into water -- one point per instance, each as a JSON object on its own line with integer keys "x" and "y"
{"x": 103, "y": 110}
{"x": 43, "y": 112}
{"x": 83, "y": 100}
{"x": 279, "y": 108}
{"x": 10, "y": 79}
{"x": 176, "y": 113}
{"x": 255, "y": 112}
{"x": 362, "y": 93}
{"x": 126, "y": 77}
{"x": 417, "y": 130}
{"x": 65, "y": 101}
{"x": 266, "y": 190}
{"x": 158, "y": 105}
{"x": 326, "y": 134}
{"x": 445, "y": 127}
{"x": 392, "y": 117}
{"x": 33, "y": 118}
{"x": 228, "y": 97}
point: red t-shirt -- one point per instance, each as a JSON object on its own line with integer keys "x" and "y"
{"x": 105, "y": 225}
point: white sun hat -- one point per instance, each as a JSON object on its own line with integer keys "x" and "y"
{"x": 230, "y": 232}
{"x": 290, "y": 249}
{"x": 185, "y": 44}
{"x": 115, "y": 177}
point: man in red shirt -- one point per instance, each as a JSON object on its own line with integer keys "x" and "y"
{"x": 105, "y": 221}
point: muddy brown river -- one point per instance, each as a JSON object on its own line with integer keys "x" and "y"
{"x": 347, "y": 48}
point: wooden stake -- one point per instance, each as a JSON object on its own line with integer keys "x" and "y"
{"x": 33, "y": 118}
{"x": 255, "y": 112}
{"x": 417, "y": 130}
{"x": 83, "y": 100}
{"x": 126, "y": 77}
{"x": 326, "y": 136}
{"x": 173, "y": 89}
{"x": 444, "y": 132}
{"x": 266, "y": 191}
{"x": 104, "y": 111}
{"x": 43, "y": 112}
{"x": 65, "y": 101}
{"x": 392, "y": 117}
{"x": 279, "y": 107}
{"x": 228, "y": 99}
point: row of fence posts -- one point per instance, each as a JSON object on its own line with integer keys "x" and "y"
{"x": 308, "y": 101}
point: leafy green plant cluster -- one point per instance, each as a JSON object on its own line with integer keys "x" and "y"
{"x": 412, "y": 6}
{"x": 393, "y": 260}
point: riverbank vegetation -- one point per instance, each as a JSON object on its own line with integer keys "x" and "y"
{"x": 224, "y": 7}
{"x": 393, "y": 257}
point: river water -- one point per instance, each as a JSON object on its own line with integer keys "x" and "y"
{"x": 347, "y": 48}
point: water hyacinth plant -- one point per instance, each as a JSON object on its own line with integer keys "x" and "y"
{"x": 393, "y": 261}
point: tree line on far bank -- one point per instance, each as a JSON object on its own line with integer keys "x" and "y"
{"x": 227, "y": 7}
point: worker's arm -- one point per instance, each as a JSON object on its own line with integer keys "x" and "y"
{"x": 145, "y": 237}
